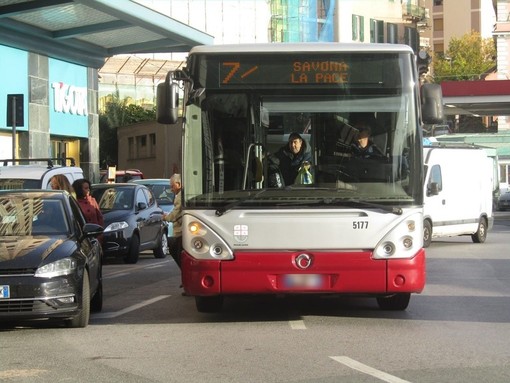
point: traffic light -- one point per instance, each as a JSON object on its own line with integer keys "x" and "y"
{"x": 15, "y": 101}
{"x": 423, "y": 62}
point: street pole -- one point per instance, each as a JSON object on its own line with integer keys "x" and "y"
{"x": 14, "y": 130}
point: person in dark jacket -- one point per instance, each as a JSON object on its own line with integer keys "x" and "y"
{"x": 364, "y": 147}
{"x": 291, "y": 157}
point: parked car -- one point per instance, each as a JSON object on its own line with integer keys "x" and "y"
{"x": 164, "y": 196}
{"x": 36, "y": 173}
{"x": 122, "y": 175}
{"x": 504, "y": 201}
{"x": 133, "y": 221}
{"x": 50, "y": 258}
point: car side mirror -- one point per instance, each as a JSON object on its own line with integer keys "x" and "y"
{"x": 141, "y": 206}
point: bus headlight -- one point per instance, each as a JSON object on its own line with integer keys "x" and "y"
{"x": 204, "y": 243}
{"x": 403, "y": 241}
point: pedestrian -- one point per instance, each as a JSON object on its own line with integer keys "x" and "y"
{"x": 88, "y": 204}
{"x": 175, "y": 216}
{"x": 60, "y": 182}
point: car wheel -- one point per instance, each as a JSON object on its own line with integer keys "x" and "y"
{"x": 427, "y": 233}
{"x": 209, "y": 304}
{"x": 481, "y": 234}
{"x": 396, "y": 302}
{"x": 161, "y": 249}
{"x": 133, "y": 251}
{"x": 82, "y": 319}
{"x": 96, "y": 304}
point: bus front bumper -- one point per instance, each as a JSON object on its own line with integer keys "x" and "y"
{"x": 285, "y": 272}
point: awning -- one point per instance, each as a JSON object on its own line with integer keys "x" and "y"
{"x": 86, "y": 32}
{"x": 478, "y": 98}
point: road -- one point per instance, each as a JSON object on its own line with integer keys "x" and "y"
{"x": 457, "y": 330}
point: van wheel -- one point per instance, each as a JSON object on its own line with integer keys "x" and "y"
{"x": 427, "y": 233}
{"x": 396, "y": 302}
{"x": 481, "y": 234}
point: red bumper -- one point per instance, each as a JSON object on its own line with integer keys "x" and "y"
{"x": 327, "y": 272}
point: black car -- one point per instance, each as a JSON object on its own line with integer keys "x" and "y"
{"x": 133, "y": 221}
{"x": 50, "y": 258}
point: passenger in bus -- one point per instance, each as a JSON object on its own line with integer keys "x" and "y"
{"x": 292, "y": 156}
{"x": 364, "y": 147}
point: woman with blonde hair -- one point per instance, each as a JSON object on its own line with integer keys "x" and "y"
{"x": 60, "y": 182}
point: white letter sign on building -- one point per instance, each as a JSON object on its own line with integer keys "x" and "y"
{"x": 69, "y": 99}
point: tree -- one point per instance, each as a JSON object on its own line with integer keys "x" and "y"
{"x": 118, "y": 112}
{"x": 467, "y": 58}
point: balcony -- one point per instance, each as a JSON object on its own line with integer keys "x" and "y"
{"x": 413, "y": 12}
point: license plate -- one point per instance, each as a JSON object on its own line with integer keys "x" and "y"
{"x": 307, "y": 281}
{"x": 5, "y": 291}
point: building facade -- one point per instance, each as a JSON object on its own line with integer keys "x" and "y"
{"x": 58, "y": 109}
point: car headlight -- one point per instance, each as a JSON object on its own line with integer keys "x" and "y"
{"x": 116, "y": 226}
{"x": 58, "y": 268}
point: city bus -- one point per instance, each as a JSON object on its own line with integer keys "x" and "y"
{"x": 356, "y": 226}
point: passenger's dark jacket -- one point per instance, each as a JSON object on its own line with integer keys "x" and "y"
{"x": 289, "y": 163}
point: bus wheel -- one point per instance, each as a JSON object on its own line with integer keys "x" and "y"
{"x": 209, "y": 304}
{"x": 427, "y": 233}
{"x": 481, "y": 234}
{"x": 396, "y": 302}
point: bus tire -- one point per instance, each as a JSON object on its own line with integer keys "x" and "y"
{"x": 209, "y": 304}
{"x": 395, "y": 302}
{"x": 481, "y": 234}
{"x": 427, "y": 233}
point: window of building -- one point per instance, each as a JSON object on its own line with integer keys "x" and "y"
{"x": 152, "y": 145}
{"x": 141, "y": 146}
{"x": 438, "y": 3}
{"x": 392, "y": 33}
{"x": 358, "y": 28}
{"x": 376, "y": 31}
{"x": 131, "y": 148}
{"x": 438, "y": 25}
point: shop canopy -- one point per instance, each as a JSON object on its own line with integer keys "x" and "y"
{"x": 86, "y": 32}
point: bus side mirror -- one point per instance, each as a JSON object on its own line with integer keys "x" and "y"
{"x": 432, "y": 104}
{"x": 167, "y": 102}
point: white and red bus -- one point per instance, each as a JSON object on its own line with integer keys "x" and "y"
{"x": 356, "y": 226}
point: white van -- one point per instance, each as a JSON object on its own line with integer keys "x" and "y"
{"x": 458, "y": 192}
{"x": 36, "y": 173}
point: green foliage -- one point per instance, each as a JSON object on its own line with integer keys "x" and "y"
{"x": 118, "y": 113}
{"x": 467, "y": 58}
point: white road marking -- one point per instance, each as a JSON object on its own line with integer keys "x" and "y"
{"x": 297, "y": 325}
{"x": 128, "y": 309}
{"x": 111, "y": 276}
{"x": 355, "y": 365}
{"x": 114, "y": 274}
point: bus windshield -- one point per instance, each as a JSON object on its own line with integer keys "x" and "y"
{"x": 322, "y": 129}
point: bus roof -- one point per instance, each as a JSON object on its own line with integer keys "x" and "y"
{"x": 301, "y": 47}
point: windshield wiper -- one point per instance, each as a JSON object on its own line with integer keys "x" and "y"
{"x": 397, "y": 210}
{"x": 222, "y": 210}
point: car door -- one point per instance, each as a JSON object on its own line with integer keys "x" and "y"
{"x": 155, "y": 214}
{"x": 89, "y": 246}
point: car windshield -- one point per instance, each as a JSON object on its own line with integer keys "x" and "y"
{"x": 163, "y": 194}
{"x": 24, "y": 216}
{"x": 114, "y": 198}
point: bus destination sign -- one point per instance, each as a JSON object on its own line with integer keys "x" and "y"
{"x": 293, "y": 72}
